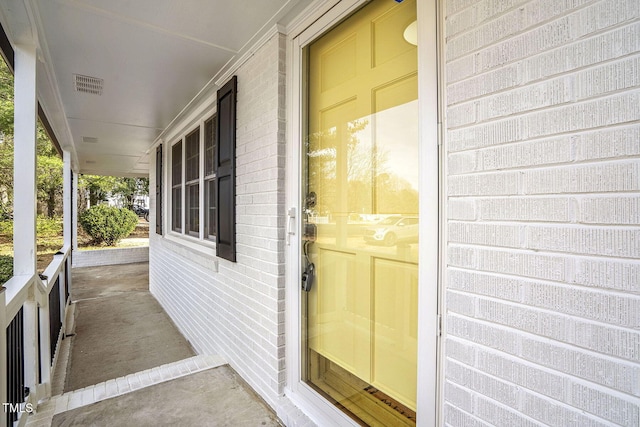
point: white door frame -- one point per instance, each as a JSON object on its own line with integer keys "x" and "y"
{"x": 317, "y": 19}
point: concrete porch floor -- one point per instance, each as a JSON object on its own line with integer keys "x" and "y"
{"x": 125, "y": 363}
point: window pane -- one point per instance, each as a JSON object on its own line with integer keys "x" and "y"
{"x": 361, "y": 191}
{"x": 210, "y": 214}
{"x": 209, "y": 172}
{"x": 193, "y": 207}
{"x": 193, "y": 155}
{"x": 209, "y": 146}
{"x": 176, "y": 164}
{"x": 176, "y": 209}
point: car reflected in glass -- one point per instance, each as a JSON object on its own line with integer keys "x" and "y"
{"x": 392, "y": 230}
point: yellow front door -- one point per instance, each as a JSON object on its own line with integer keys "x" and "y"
{"x": 361, "y": 213}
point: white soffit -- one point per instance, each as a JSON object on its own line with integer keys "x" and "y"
{"x": 139, "y": 63}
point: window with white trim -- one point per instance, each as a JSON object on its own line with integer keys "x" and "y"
{"x": 193, "y": 174}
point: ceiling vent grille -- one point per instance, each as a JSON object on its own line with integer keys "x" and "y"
{"x": 89, "y": 140}
{"x": 88, "y": 84}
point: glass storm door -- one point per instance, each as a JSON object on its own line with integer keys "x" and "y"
{"x": 360, "y": 222}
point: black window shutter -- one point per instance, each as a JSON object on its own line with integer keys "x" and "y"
{"x": 159, "y": 178}
{"x": 226, "y": 170}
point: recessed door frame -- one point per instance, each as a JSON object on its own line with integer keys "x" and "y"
{"x": 317, "y": 19}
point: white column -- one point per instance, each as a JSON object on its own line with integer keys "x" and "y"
{"x": 67, "y": 198}
{"x": 24, "y": 184}
{"x": 24, "y": 199}
{"x": 74, "y": 215}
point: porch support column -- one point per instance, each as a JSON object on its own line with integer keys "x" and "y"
{"x": 74, "y": 213}
{"x": 24, "y": 175}
{"x": 69, "y": 195}
{"x": 24, "y": 199}
{"x": 68, "y": 188}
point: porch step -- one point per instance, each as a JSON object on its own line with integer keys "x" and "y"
{"x": 119, "y": 386}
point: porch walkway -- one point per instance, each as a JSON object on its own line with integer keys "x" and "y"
{"x": 125, "y": 363}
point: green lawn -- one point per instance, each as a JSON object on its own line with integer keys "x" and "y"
{"x": 49, "y": 240}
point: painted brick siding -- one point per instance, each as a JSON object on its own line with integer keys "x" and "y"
{"x": 542, "y": 298}
{"x": 237, "y": 309}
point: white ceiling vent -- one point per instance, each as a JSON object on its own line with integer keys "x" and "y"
{"x": 89, "y": 140}
{"x": 87, "y": 84}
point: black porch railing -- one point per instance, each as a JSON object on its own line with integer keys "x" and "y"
{"x": 67, "y": 268}
{"x": 16, "y": 391}
{"x": 55, "y": 322}
{"x": 17, "y": 372}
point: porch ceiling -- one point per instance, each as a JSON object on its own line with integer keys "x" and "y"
{"x": 154, "y": 57}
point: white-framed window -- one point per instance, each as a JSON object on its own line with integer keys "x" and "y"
{"x": 193, "y": 175}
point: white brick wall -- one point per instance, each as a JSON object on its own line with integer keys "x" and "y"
{"x": 237, "y": 309}
{"x": 111, "y": 256}
{"x": 542, "y": 290}
{"x": 542, "y": 293}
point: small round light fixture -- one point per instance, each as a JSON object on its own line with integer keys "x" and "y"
{"x": 411, "y": 33}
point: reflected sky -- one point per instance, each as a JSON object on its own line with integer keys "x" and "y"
{"x": 396, "y": 135}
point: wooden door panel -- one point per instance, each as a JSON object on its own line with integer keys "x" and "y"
{"x": 395, "y": 320}
{"x": 340, "y": 314}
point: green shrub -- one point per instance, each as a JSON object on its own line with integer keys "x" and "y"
{"x": 6, "y": 268}
{"x": 48, "y": 227}
{"x": 6, "y": 227}
{"x": 107, "y": 224}
{"x": 45, "y": 227}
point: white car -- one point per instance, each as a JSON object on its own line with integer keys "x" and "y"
{"x": 392, "y": 230}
